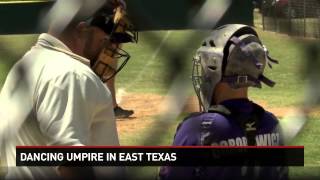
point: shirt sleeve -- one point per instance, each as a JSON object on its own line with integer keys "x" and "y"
{"x": 64, "y": 109}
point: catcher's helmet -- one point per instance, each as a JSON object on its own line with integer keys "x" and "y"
{"x": 113, "y": 20}
{"x": 233, "y": 54}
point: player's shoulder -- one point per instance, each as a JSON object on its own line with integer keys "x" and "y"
{"x": 263, "y": 113}
{"x": 266, "y": 116}
{"x": 270, "y": 115}
{"x": 190, "y": 128}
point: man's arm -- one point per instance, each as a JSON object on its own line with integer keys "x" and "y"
{"x": 64, "y": 109}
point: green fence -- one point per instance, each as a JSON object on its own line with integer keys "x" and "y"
{"x": 22, "y": 17}
{"x": 293, "y": 17}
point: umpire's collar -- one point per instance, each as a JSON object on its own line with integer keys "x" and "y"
{"x": 50, "y": 42}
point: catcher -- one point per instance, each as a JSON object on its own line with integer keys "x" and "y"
{"x": 229, "y": 61}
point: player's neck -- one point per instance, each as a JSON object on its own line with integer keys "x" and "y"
{"x": 224, "y": 92}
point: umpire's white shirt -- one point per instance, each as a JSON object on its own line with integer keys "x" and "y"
{"x": 52, "y": 97}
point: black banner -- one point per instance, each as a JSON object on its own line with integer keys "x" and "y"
{"x": 159, "y": 156}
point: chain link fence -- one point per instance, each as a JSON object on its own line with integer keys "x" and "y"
{"x": 293, "y": 17}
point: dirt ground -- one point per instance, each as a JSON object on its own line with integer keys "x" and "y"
{"x": 146, "y": 106}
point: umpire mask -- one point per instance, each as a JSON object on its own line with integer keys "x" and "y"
{"x": 119, "y": 29}
{"x": 232, "y": 54}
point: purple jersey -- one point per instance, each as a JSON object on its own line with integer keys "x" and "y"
{"x": 226, "y": 131}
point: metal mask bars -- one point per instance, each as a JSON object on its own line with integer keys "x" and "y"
{"x": 110, "y": 61}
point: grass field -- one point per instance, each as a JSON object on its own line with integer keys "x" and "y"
{"x": 148, "y": 73}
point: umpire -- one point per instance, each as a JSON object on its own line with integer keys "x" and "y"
{"x": 229, "y": 61}
{"x": 52, "y": 96}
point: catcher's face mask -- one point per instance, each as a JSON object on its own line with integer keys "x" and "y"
{"x": 206, "y": 74}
